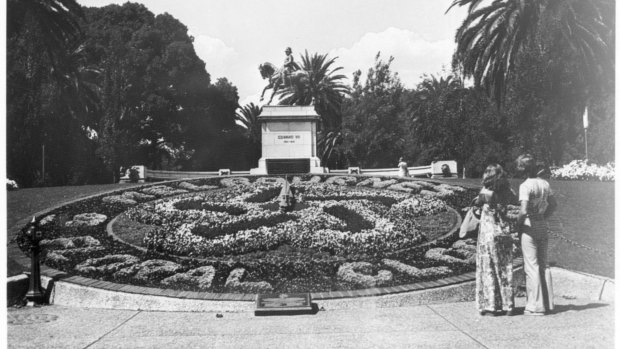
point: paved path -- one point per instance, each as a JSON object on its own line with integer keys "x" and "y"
{"x": 576, "y": 323}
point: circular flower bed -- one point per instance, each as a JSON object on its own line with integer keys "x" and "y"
{"x": 227, "y": 234}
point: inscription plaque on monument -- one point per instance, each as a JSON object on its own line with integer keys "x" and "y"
{"x": 282, "y": 304}
{"x": 289, "y": 138}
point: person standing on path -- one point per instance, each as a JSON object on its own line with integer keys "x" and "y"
{"x": 537, "y": 204}
{"x": 494, "y": 287}
{"x": 403, "y": 170}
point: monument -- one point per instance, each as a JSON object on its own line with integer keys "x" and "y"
{"x": 288, "y": 140}
{"x": 288, "y": 133}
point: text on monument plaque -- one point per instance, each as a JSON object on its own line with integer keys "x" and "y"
{"x": 290, "y": 138}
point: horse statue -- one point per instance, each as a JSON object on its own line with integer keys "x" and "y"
{"x": 280, "y": 79}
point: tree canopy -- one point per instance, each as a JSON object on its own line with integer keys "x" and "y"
{"x": 372, "y": 132}
{"x": 491, "y": 39}
{"x": 117, "y": 85}
{"x": 91, "y": 90}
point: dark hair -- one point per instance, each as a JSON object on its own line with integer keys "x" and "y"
{"x": 495, "y": 178}
{"x": 527, "y": 164}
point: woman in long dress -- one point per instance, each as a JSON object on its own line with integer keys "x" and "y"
{"x": 494, "y": 287}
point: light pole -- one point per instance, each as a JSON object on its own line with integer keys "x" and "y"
{"x": 43, "y": 162}
{"x": 35, "y": 295}
{"x": 585, "y": 129}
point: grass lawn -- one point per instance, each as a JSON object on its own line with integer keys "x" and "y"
{"x": 26, "y": 202}
{"x": 586, "y": 213}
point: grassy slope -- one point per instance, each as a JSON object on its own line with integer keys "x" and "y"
{"x": 586, "y": 210}
{"x": 25, "y": 202}
{"x": 587, "y": 214}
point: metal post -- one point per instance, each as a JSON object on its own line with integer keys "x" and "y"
{"x": 585, "y": 128}
{"x": 43, "y": 162}
{"x": 586, "y": 142}
{"x": 35, "y": 295}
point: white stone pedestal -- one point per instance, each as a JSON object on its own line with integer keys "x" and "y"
{"x": 288, "y": 140}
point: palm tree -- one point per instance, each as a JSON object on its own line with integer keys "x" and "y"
{"x": 57, "y": 21}
{"x": 432, "y": 103}
{"x": 50, "y": 93}
{"x": 323, "y": 87}
{"x": 433, "y": 88}
{"x": 326, "y": 90}
{"x": 327, "y": 144}
{"x": 491, "y": 38}
{"x": 248, "y": 117}
{"x": 59, "y": 51}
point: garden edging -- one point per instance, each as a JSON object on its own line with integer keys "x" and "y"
{"x": 77, "y": 291}
{"x": 81, "y": 292}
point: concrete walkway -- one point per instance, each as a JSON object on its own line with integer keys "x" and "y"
{"x": 575, "y": 323}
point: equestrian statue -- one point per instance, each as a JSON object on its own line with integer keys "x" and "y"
{"x": 290, "y": 75}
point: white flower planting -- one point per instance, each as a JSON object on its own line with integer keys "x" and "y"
{"x": 416, "y": 272}
{"x": 47, "y": 220}
{"x": 341, "y": 180}
{"x": 358, "y": 273}
{"x": 193, "y": 187}
{"x": 377, "y": 182}
{"x": 86, "y": 219}
{"x": 201, "y": 278}
{"x": 581, "y": 170}
{"x": 11, "y": 184}
{"x": 107, "y": 264}
{"x": 235, "y": 282}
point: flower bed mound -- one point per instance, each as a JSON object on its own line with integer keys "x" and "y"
{"x": 230, "y": 235}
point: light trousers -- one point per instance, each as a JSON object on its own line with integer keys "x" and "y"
{"x": 534, "y": 243}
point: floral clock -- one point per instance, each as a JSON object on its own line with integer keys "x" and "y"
{"x": 227, "y": 234}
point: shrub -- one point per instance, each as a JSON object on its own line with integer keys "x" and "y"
{"x": 134, "y": 175}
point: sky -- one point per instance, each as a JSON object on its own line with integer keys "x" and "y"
{"x": 234, "y": 36}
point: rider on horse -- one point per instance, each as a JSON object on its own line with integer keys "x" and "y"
{"x": 289, "y": 65}
{"x": 290, "y": 75}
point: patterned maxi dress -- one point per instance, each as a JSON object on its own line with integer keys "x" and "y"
{"x": 494, "y": 289}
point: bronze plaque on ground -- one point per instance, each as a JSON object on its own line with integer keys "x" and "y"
{"x": 283, "y": 304}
